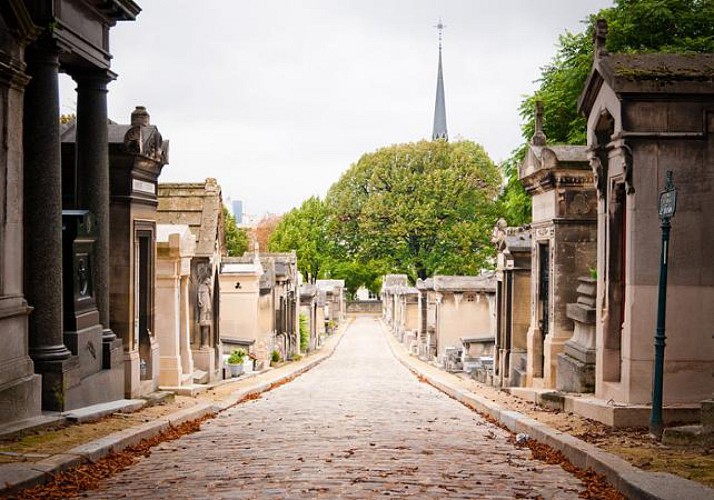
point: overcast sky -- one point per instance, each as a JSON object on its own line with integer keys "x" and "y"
{"x": 277, "y": 98}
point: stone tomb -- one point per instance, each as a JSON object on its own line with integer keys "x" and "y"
{"x": 175, "y": 247}
{"x": 648, "y": 114}
{"x": 66, "y": 204}
{"x": 240, "y": 306}
{"x": 407, "y": 324}
{"x": 426, "y": 339}
{"x": 465, "y": 309}
{"x": 335, "y": 295}
{"x": 513, "y": 293}
{"x": 308, "y": 310}
{"x": 390, "y": 284}
{"x": 563, "y": 239}
{"x": 137, "y": 154}
{"x": 199, "y": 206}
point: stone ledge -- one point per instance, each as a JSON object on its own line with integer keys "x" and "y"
{"x": 98, "y": 411}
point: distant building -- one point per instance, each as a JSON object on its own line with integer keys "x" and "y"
{"x": 237, "y": 207}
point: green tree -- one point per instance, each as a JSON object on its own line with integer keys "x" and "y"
{"x": 236, "y": 238}
{"x": 356, "y": 273}
{"x": 304, "y": 324}
{"x": 634, "y": 26}
{"x": 418, "y": 208}
{"x": 304, "y": 230}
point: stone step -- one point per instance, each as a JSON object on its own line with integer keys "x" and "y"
{"x": 158, "y": 397}
{"x": 19, "y": 427}
{"x": 95, "y": 412}
{"x": 200, "y": 377}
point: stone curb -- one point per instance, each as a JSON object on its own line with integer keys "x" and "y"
{"x": 18, "y": 476}
{"x": 632, "y": 482}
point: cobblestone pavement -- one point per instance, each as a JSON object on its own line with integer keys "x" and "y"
{"x": 359, "y": 425}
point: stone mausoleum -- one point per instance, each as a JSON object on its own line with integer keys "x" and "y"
{"x": 563, "y": 237}
{"x": 54, "y": 237}
{"x": 137, "y": 154}
{"x": 648, "y": 114}
{"x": 513, "y": 299}
{"x": 199, "y": 206}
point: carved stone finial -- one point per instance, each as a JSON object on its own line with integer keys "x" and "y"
{"x": 498, "y": 235}
{"x": 538, "y": 138}
{"x": 600, "y": 38}
{"x": 140, "y": 117}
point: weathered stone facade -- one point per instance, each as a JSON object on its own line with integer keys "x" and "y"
{"x": 175, "y": 247}
{"x": 20, "y": 387}
{"x": 240, "y": 299}
{"x": 513, "y": 312}
{"x": 465, "y": 309}
{"x": 199, "y": 206}
{"x": 137, "y": 154}
{"x": 647, "y": 114}
{"x": 308, "y": 309}
{"x": 390, "y": 286}
{"x": 335, "y": 299}
{"x": 563, "y": 236}
{"x": 66, "y": 251}
{"x": 426, "y": 339}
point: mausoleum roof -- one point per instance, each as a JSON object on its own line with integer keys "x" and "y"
{"x": 656, "y": 73}
{"x": 485, "y": 282}
{"x": 197, "y": 205}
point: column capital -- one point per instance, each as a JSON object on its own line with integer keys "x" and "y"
{"x": 92, "y": 78}
{"x": 43, "y": 52}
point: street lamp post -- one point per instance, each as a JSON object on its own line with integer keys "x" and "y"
{"x": 667, "y": 207}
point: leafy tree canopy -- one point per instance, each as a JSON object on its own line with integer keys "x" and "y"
{"x": 419, "y": 208}
{"x": 634, "y": 26}
{"x": 236, "y": 238}
{"x": 304, "y": 230}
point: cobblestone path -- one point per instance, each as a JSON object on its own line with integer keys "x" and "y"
{"x": 359, "y": 425}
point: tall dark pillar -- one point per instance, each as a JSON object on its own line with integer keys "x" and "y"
{"x": 93, "y": 177}
{"x": 43, "y": 207}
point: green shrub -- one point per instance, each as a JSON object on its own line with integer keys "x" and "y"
{"x": 275, "y": 356}
{"x": 304, "y": 333}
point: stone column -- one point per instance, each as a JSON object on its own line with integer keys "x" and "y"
{"x": 93, "y": 177}
{"x": 184, "y": 329}
{"x": 43, "y": 207}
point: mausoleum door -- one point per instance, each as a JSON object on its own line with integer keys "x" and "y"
{"x": 615, "y": 279}
{"x": 543, "y": 305}
{"x": 142, "y": 293}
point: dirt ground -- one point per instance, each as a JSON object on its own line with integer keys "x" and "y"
{"x": 634, "y": 445}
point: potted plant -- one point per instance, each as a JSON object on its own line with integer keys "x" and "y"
{"x": 235, "y": 362}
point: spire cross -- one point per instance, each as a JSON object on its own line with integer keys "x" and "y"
{"x": 440, "y": 26}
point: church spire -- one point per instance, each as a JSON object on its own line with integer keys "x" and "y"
{"x": 440, "y": 108}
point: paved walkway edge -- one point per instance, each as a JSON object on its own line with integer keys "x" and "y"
{"x": 632, "y": 482}
{"x": 18, "y": 476}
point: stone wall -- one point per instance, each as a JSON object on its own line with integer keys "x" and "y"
{"x": 364, "y": 307}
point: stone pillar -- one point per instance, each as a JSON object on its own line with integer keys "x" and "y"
{"x": 184, "y": 329}
{"x": 43, "y": 206}
{"x": 20, "y": 387}
{"x": 43, "y": 229}
{"x": 93, "y": 178}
